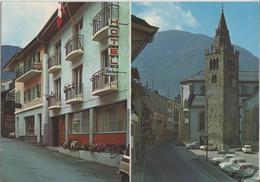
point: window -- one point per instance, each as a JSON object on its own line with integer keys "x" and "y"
{"x": 78, "y": 28}
{"x": 77, "y": 75}
{"x": 17, "y": 97}
{"x": 201, "y": 120}
{"x": 36, "y": 57}
{"x": 38, "y": 91}
{"x": 29, "y": 125}
{"x": 25, "y": 95}
{"x": 29, "y": 94}
{"x": 111, "y": 118}
{"x": 214, "y": 79}
{"x": 58, "y": 51}
{"x": 57, "y": 86}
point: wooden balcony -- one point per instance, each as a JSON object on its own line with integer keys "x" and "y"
{"x": 73, "y": 93}
{"x": 54, "y": 101}
{"x": 28, "y": 71}
{"x": 101, "y": 21}
{"x": 74, "y": 48}
{"x": 103, "y": 84}
{"x": 54, "y": 63}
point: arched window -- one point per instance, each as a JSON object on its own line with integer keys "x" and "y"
{"x": 210, "y": 64}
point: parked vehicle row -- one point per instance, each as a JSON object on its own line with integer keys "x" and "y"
{"x": 237, "y": 167}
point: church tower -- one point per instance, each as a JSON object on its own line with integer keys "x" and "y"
{"x": 221, "y": 89}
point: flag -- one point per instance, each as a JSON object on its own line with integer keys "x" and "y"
{"x": 59, "y": 16}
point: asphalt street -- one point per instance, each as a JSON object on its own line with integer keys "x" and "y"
{"x": 22, "y": 162}
{"x": 169, "y": 163}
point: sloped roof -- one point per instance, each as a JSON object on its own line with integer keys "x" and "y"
{"x": 199, "y": 101}
{"x": 243, "y": 76}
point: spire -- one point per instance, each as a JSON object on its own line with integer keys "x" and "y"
{"x": 222, "y": 26}
{"x": 222, "y": 33}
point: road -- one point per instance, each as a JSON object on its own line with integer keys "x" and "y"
{"x": 22, "y": 162}
{"x": 169, "y": 163}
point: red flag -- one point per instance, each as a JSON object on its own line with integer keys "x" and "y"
{"x": 59, "y": 16}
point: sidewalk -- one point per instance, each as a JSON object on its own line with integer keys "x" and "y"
{"x": 138, "y": 171}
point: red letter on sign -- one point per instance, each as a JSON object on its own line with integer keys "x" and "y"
{"x": 112, "y": 51}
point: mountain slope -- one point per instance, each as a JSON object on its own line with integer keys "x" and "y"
{"x": 175, "y": 55}
{"x": 7, "y": 52}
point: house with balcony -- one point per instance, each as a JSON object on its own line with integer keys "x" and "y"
{"x": 28, "y": 91}
{"x": 72, "y": 79}
{"x": 88, "y": 61}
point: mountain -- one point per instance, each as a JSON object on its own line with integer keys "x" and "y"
{"x": 175, "y": 55}
{"x": 7, "y": 52}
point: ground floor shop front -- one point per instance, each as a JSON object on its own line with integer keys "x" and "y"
{"x": 104, "y": 125}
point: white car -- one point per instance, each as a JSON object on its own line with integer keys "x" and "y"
{"x": 231, "y": 170}
{"x": 247, "y": 149}
{"x": 234, "y": 162}
{"x": 210, "y": 147}
{"x": 218, "y": 160}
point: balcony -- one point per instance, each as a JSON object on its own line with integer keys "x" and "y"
{"x": 73, "y": 93}
{"x": 28, "y": 71}
{"x": 101, "y": 21}
{"x": 103, "y": 84}
{"x": 74, "y": 47}
{"x": 54, "y": 101}
{"x": 54, "y": 63}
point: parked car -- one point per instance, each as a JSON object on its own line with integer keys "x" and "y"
{"x": 124, "y": 166}
{"x": 254, "y": 178}
{"x": 231, "y": 170}
{"x": 193, "y": 145}
{"x": 247, "y": 149}
{"x": 247, "y": 173}
{"x": 234, "y": 162}
{"x": 218, "y": 160}
{"x": 180, "y": 143}
{"x": 210, "y": 147}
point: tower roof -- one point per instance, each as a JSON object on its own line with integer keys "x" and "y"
{"x": 222, "y": 33}
{"x": 222, "y": 26}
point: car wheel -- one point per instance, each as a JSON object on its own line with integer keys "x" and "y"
{"x": 124, "y": 178}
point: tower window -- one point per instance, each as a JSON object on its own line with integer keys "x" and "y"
{"x": 214, "y": 79}
{"x": 213, "y": 64}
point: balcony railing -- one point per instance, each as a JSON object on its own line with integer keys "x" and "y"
{"x": 28, "y": 71}
{"x": 54, "y": 101}
{"x": 74, "y": 47}
{"x": 54, "y": 63}
{"x": 102, "y": 83}
{"x": 73, "y": 93}
{"x": 101, "y": 19}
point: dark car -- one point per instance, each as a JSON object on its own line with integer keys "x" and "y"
{"x": 180, "y": 143}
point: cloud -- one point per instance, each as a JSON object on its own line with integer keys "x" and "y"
{"x": 166, "y": 15}
{"x": 22, "y": 21}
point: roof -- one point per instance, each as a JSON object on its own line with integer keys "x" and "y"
{"x": 142, "y": 34}
{"x": 47, "y": 32}
{"x": 243, "y": 76}
{"x": 199, "y": 101}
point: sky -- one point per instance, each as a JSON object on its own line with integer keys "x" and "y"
{"x": 22, "y": 21}
{"x": 202, "y": 17}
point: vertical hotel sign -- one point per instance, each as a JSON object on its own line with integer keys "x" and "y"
{"x": 113, "y": 34}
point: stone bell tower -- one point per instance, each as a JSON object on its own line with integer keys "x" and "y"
{"x": 221, "y": 89}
